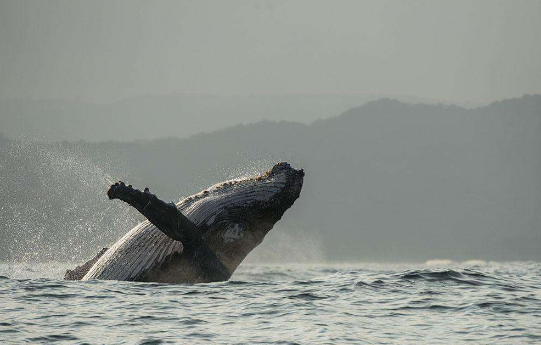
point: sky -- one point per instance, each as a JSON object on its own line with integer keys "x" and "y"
{"x": 104, "y": 51}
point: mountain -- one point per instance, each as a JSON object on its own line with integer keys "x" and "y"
{"x": 151, "y": 117}
{"x": 387, "y": 181}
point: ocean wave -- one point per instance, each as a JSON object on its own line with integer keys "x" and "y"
{"x": 464, "y": 276}
{"x": 424, "y": 305}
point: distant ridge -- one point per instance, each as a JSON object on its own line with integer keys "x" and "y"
{"x": 151, "y": 117}
{"x": 386, "y": 181}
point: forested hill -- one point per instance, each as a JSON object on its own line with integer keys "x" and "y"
{"x": 385, "y": 181}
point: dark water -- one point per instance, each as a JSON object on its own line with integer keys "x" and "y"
{"x": 438, "y": 303}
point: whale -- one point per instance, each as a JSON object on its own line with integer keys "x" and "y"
{"x": 203, "y": 238}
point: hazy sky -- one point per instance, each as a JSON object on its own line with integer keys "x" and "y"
{"x": 101, "y": 51}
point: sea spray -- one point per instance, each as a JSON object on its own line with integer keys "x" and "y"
{"x": 54, "y": 205}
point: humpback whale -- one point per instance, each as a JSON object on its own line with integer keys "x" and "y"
{"x": 202, "y": 238}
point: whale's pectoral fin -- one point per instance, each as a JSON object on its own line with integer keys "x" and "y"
{"x": 166, "y": 216}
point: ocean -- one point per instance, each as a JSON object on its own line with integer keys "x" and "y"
{"x": 438, "y": 302}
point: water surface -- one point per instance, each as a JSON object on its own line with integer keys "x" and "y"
{"x": 451, "y": 303}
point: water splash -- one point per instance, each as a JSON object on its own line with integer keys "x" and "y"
{"x": 54, "y": 205}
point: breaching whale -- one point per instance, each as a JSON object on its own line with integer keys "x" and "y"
{"x": 203, "y": 238}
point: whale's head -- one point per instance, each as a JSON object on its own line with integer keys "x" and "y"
{"x": 235, "y": 216}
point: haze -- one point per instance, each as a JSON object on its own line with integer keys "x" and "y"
{"x": 102, "y": 51}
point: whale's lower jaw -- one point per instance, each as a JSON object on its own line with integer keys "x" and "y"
{"x": 225, "y": 223}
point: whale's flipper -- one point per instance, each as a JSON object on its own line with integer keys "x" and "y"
{"x": 79, "y": 272}
{"x": 169, "y": 220}
{"x": 166, "y": 217}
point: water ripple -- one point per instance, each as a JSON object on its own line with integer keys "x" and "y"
{"x": 491, "y": 303}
